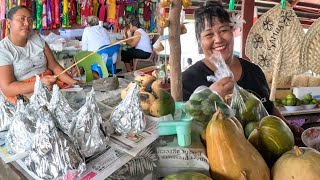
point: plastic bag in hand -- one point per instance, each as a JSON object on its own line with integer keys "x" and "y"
{"x": 247, "y": 106}
{"x": 203, "y": 103}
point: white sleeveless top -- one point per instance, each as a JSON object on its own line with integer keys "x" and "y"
{"x": 145, "y": 43}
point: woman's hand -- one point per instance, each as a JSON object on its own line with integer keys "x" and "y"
{"x": 223, "y": 86}
{"x": 48, "y": 80}
{"x": 129, "y": 33}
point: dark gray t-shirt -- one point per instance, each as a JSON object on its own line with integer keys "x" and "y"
{"x": 252, "y": 80}
{"x": 26, "y": 61}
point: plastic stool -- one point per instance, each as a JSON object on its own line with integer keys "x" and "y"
{"x": 181, "y": 127}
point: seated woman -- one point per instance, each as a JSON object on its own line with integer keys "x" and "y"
{"x": 24, "y": 54}
{"x": 94, "y": 36}
{"x": 141, "y": 45}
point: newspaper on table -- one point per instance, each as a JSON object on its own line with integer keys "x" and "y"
{"x": 120, "y": 151}
{"x": 7, "y": 154}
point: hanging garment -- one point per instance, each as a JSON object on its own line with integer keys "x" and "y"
{"x": 147, "y": 11}
{"x": 85, "y": 10}
{"x": 95, "y": 5}
{"x": 111, "y": 10}
{"x": 65, "y": 15}
{"x": 102, "y": 10}
{"x": 49, "y": 15}
{"x": 38, "y": 14}
{"x": 2, "y": 9}
{"x": 44, "y": 15}
{"x": 72, "y": 12}
{"x": 78, "y": 13}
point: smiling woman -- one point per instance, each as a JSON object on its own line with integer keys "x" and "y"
{"x": 24, "y": 54}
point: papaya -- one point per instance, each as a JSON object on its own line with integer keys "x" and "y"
{"x": 156, "y": 85}
{"x": 144, "y": 79}
{"x": 272, "y": 138}
{"x": 146, "y": 100}
{"x": 164, "y": 105}
{"x": 230, "y": 155}
{"x": 187, "y": 176}
{"x": 300, "y": 163}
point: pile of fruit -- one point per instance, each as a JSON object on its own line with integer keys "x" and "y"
{"x": 292, "y": 100}
{"x": 154, "y": 100}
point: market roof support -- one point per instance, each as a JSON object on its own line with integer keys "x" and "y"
{"x": 175, "y": 50}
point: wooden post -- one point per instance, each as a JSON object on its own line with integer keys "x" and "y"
{"x": 175, "y": 50}
{"x": 247, "y": 11}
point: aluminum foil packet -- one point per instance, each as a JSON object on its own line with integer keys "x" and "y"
{"x": 21, "y": 133}
{"x": 86, "y": 129}
{"x": 61, "y": 110}
{"x": 53, "y": 154}
{"x": 41, "y": 94}
{"x": 7, "y": 111}
{"x": 128, "y": 117}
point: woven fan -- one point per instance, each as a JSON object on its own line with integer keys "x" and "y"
{"x": 310, "y": 48}
{"x": 274, "y": 43}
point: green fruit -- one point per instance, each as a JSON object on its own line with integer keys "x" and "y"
{"x": 306, "y": 101}
{"x": 215, "y": 98}
{"x": 291, "y": 102}
{"x": 249, "y": 128}
{"x": 284, "y": 101}
{"x": 272, "y": 138}
{"x": 201, "y": 95}
{"x": 291, "y": 96}
{"x": 298, "y": 102}
{"x": 314, "y": 101}
{"x": 187, "y": 176}
{"x": 308, "y": 97}
{"x": 164, "y": 105}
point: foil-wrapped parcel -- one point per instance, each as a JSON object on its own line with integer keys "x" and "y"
{"x": 86, "y": 129}
{"x": 21, "y": 132}
{"x": 128, "y": 117}
{"x": 61, "y": 110}
{"x": 7, "y": 111}
{"x": 53, "y": 154}
{"x": 41, "y": 94}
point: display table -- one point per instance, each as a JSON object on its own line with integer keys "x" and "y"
{"x": 310, "y": 115}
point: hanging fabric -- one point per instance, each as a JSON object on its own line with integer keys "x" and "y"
{"x": 111, "y": 18}
{"x": 72, "y": 12}
{"x": 102, "y": 10}
{"x": 95, "y": 5}
{"x": 2, "y": 9}
{"x": 78, "y": 13}
{"x": 38, "y": 13}
{"x": 85, "y": 10}
{"x": 44, "y": 15}
{"x": 65, "y": 15}
{"x": 49, "y": 15}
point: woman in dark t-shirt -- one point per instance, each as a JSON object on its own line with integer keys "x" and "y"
{"x": 214, "y": 33}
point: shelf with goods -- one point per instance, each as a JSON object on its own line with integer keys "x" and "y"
{"x": 54, "y": 14}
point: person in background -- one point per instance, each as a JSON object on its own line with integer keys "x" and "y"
{"x": 94, "y": 36}
{"x": 215, "y": 36}
{"x": 189, "y": 61}
{"x": 140, "y": 46}
{"x": 24, "y": 54}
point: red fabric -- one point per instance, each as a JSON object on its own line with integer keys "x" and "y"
{"x": 147, "y": 11}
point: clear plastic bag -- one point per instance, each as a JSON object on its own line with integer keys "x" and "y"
{"x": 203, "y": 103}
{"x": 248, "y": 108}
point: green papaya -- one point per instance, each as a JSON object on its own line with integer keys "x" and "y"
{"x": 272, "y": 138}
{"x": 164, "y": 105}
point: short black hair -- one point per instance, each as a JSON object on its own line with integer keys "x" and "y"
{"x": 206, "y": 13}
{"x": 135, "y": 22}
{"x": 13, "y": 10}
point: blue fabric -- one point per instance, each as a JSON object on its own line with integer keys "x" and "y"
{"x": 109, "y": 51}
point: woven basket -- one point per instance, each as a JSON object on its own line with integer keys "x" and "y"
{"x": 274, "y": 43}
{"x": 310, "y": 49}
